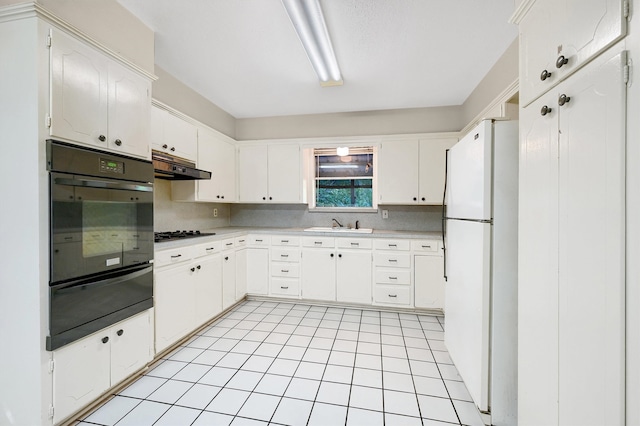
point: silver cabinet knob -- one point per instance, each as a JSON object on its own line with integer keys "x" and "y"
{"x": 545, "y": 75}
{"x": 563, "y": 99}
{"x": 561, "y": 61}
{"x": 545, "y": 110}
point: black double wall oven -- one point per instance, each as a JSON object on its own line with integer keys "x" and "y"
{"x": 101, "y": 240}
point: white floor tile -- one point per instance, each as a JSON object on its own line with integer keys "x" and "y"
{"x": 170, "y": 392}
{"x": 303, "y": 330}
{"x": 192, "y": 373}
{"x": 244, "y": 380}
{"x": 338, "y": 374}
{"x": 216, "y": 331}
{"x": 217, "y": 376}
{"x": 268, "y": 349}
{"x": 397, "y": 381}
{"x": 245, "y": 347}
{"x": 370, "y": 328}
{"x": 346, "y": 359}
{"x": 430, "y": 422}
{"x": 348, "y": 326}
{"x": 327, "y": 323}
{"x": 347, "y": 317}
{"x": 468, "y": 413}
{"x": 178, "y": 416}
{"x": 285, "y": 328}
{"x": 369, "y": 348}
{"x": 369, "y": 337}
{"x": 202, "y": 342}
{"x": 328, "y": 333}
{"x": 167, "y": 369}
{"x": 277, "y": 338}
{"x": 397, "y": 420}
{"x": 292, "y": 412}
{"x": 402, "y": 403}
{"x": 145, "y": 413}
{"x": 292, "y": 352}
{"x": 420, "y": 354}
{"x": 310, "y": 370}
{"x": 442, "y": 357}
{"x": 367, "y": 398}
{"x": 303, "y": 389}
{"x": 435, "y": 408}
{"x": 285, "y": 367}
{"x": 347, "y": 335}
{"x": 263, "y": 326}
{"x": 416, "y": 342}
{"x": 228, "y": 401}
{"x": 437, "y": 345}
{"x": 344, "y": 345}
{"x": 321, "y": 343}
{"x": 396, "y": 365}
{"x": 310, "y": 322}
{"x": 233, "y": 360}
{"x": 449, "y": 372}
{"x": 186, "y": 354}
{"x": 394, "y": 351}
{"x": 228, "y": 323}
{"x": 434, "y": 335}
{"x": 388, "y": 339}
{"x": 433, "y": 326}
{"x": 365, "y": 377}
{"x": 425, "y": 369}
{"x": 259, "y": 407}
{"x": 358, "y": 417}
{"x": 368, "y": 361}
{"x": 327, "y": 414}
{"x": 258, "y": 363}
{"x": 316, "y": 355}
{"x": 457, "y": 390}
{"x": 333, "y": 393}
{"x": 430, "y": 386}
{"x": 413, "y": 332}
{"x": 224, "y": 344}
{"x": 273, "y": 384}
{"x": 291, "y": 320}
{"x": 209, "y": 357}
{"x": 111, "y": 412}
{"x": 207, "y": 418}
{"x": 390, "y": 330}
{"x": 143, "y": 387}
{"x": 199, "y": 396}
{"x": 302, "y": 341}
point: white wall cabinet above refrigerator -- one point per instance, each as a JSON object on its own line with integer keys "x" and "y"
{"x": 412, "y": 171}
{"x": 95, "y": 100}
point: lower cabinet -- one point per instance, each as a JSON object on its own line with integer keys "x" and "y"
{"x": 393, "y": 284}
{"x": 85, "y": 369}
{"x": 428, "y": 274}
{"x": 208, "y": 281}
{"x": 285, "y": 267}
{"x": 228, "y": 278}
{"x": 319, "y": 273}
{"x": 257, "y": 270}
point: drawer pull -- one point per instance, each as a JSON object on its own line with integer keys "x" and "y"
{"x": 176, "y": 256}
{"x": 258, "y": 241}
{"x": 317, "y": 242}
{"x": 229, "y": 244}
{"x": 284, "y": 255}
{"x": 393, "y": 260}
{"x": 393, "y": 245}
{"x": 284, "y": 241}
{"x": 241, "y": 241}
{"x": 286, "y": 271}
{"x": 426, "y": 246}
{"x": 284, "y": 288}
{"x": 210, "y": 248}
{"x": 355, "y": 244}
{"x": 393, "y": 278}
{"x": 393, "y": 295}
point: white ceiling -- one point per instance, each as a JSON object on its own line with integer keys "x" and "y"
{"x": 245, "y": 57}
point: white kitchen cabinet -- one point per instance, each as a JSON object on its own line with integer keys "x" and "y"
{"x": 216, "y": 154}
{"x": 571, "y": 318}
{"x": 173, "y": 135}
{"x": 392, "y": 263}
{"x": 428, "y": 274}
{"x": 269, "y": 174}
{"x": 258, "y": 264}
{"x": 95, "y": 100}
{"x": 285, "y": 266}
{"x": 241, "y": 267}
{"x": 208, "y": 280}
{"x": 412, "y": 171}
{"x": 228, "y": 274}
{"x": 85, "y": 369}
{"x": 555, "y": 31}
{"x": 353, "y": 276}
{"x": 318, "y": 273}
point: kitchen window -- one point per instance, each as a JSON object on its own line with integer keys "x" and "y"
{"x": 344, "y": 178}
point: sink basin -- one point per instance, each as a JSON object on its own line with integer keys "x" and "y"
{"x": 339, "y": 230}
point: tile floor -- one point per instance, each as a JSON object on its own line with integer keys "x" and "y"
{"x": 294, "y": 364}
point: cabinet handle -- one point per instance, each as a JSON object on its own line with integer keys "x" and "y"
{"x": 258, "y": 241}
{"x": 241, "y": 241}
{"x": 284, "y": 241}
{"x": 217, "y": 196}
{"x": 415, "y": 199}
{"x": 118, "y": 142}
{"x": 317, "y": 242}
{"x": 331, "y": 254}
{"x": 105, "y": 339}
{"x": 284, "y": 288}
{"x": 120, "y": 332}
{"x": 270, "y": 198}
{"x": 393, "y": 278}
{"x": 286, "y": 271}
{"x": 355, "y": 244}
{"x": 210, "y": 248}
{"x": 563, "y": 99}
{"x": 222, "y": 197}
{"x": 393, "y": 245}
{"x": 561, "y": 61}
{"x": 545, "y": 75}
{"x": 198, "y": 267}
{"x": 226, "y": 258}
{"x": 393, "y": 295}
{"x": 426, "y": 246}
{"x": 173, "y": 148}
{"x": 393, "y": 260}
{"x": 102, "y": 138}
{"x": 423, "y": 199}
{"x": 165, "y": 146}
{"x": 264, "y": 198}
{"x": 284, "y": 255}
{"x": 176, "y": 256}
{"x": 340, "y": 255}
{"x": 545, "y": 110}
{"x": 193, "y": 269}
{"x": 228, "y": 244}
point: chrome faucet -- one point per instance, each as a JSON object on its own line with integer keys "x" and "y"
{"x": 333, "y": 225}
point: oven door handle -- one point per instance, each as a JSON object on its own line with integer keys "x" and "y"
{"x": 119, "y": 277}
{"x": 92, "y": 183}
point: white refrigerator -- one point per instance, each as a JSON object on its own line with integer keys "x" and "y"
{"x": 480, "y": 232}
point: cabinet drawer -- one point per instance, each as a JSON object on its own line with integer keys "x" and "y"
{"x": 283, "y": 269}
{"x": 285, "y": 287}
{"x": 393, "y": 276}
{"x": 398, "y": 260}
{"x": 257, "y": 240}
{"x": 395, "y": 295}
{"x": 228, "y": 243}
{"x": 285, "y": 254}
{"x": 285, "y": 240}
{"x": 318, "y": 242}
{"x": 240, "y": 241}
{"x": 172, "y": 256}
{"x": 426, "y": 246}
{"x": 354, "y": 243}
{"x": 402, "y": 245}
{"x": 207, "y": 248}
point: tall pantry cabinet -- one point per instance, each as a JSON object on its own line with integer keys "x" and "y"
{"x": 571, "y": 339}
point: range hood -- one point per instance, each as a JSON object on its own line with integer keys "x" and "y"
{"x": 175, "y": 168}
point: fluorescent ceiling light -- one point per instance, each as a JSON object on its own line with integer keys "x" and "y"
{"x": 338, "y": 166}
{"x": 308, "y": 20}
{"x": 342, "y": 151}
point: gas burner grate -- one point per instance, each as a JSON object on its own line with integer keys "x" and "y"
{"x": 177, "y": 235}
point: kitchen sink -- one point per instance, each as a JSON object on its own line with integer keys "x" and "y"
{"x": 339, "y": 230}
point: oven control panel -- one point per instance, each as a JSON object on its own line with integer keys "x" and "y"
{"x": 111, "y": 166}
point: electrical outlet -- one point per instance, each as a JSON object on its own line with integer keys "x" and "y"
{"x": 215, "y": 212}
{"x": 385, "y": 214}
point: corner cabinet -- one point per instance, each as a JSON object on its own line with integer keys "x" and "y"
{"x": 95, "y": 100}
{"x": 269, "y": 174}
{"x": 571, "y": 310}
{"x": 412, "y": 171}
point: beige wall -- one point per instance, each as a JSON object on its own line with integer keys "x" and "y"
{"x": 171, "y": 91}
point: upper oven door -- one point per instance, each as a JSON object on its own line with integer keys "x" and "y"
{"x": 98, "y": 225}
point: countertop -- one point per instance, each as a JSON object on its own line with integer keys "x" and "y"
{"x": 231, "y": 232}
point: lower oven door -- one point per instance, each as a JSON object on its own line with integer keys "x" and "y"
{"x": 98, "y": 225}
{"x": 82, "y": 307}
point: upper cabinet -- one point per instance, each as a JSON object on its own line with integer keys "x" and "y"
{"x": 269, "y": 173}
{"x": 216, "y": 154}
{"x": 559, "y": 36}
{"x": 97, "y": 101}
{"x": 412, "y": 171}
{"x": 173, "y": 135}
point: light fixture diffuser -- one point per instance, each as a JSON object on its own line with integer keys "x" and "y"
{"x": 308, "y": 21}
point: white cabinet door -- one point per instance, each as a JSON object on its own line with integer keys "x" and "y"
{"x": 79, "y": 79}
{"x": 398, "y": 177}
{"x": 428, "y": 282}
{"x": 81, "y": 374}
{"x": 130, "y": 346}
{"x": 252, "y": 174}
{"x": 173, "y": 300}
{"x": 180, "y": 137}
{"x": 257, "y": 271}
{"x": 318, "y": 274}
{"x": 353, "y": 276}
{"x": 432, "y": 161}
{"x": 156, "y": 130}
{"x": 129, "y": 111}
{"x": 228, "y": 278}
{"x": 285, "y": 181}
{"x": 207, "y": 288}
{"x": 223, "y": 170}
{"x": 241, "y": 273}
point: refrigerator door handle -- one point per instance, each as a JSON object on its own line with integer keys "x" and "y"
{"x": 444, "y": 215}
